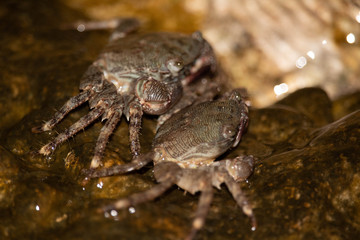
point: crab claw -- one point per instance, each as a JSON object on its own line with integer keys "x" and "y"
{"x": 157, "y": 97}
{"x": 241, "y": 167}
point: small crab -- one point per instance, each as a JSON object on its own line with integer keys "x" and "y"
{"x": 184, "y": 150}
{"x": 135, "y": 74}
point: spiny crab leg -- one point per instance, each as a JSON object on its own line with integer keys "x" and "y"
{"x": 202, "y": 210}
{"x": 141, "y": 197}
{"x": 72, "y": 130}
{"x": 104, "y": 135}
{"x": 71, "y": 104}
{"x": 136, "y": 164}
{"x": 240, "y": 199}
{"x": 135, "y": 117}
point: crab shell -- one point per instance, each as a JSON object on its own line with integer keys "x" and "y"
{"x": 194, "y": 141}
{"x": 151, "y": 67}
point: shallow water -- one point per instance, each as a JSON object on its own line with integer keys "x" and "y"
{"x": 305, "y": 184}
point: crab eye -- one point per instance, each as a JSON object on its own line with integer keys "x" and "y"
{"x": 174, "y": 65}
{"x": 236, "y": 95}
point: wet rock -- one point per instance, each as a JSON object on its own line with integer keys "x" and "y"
{"x": 39, "y": 207}
{"x": 275, "y": 125}
{"x": 314, "y": 103}
{"x": 342, "y": 133}
{"x": 346, "y": 105}
{"x": 306, "y": 176}
{"x": 302, "y": 190}
{"x": 9, "y": 171}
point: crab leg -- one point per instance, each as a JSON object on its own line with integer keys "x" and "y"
{"x": 202, "y": 210}
{"x": 136, "y": 164}
{"x": 240, "y": 199}
{"x": 134, "y": 127}
{"x": 142, "y": 197}
{"x": 72, "y": 130}
{"x": 71, "y": 104}
{"x": 104, "y": 135}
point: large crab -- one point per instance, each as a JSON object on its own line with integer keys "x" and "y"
{"x": 184, "y": 150}
{"x": 135, "y": 74}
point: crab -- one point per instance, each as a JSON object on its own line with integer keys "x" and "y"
{"x": 136, "y": 73}
{"x": 183, "y": 153}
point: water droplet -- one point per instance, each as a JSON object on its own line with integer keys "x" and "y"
{"x": 281, "y": 89}
{"x": 81, "y": 27}
{"x": 100, "y": 184}
{"x": 301, "y": 62}
{"x": 132, "y": 210}
{"x": 113, "y": 213}
{"x": 311, "y": 54}
{"x": 350, "y": 38}
{"x": 358, "y": 17}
